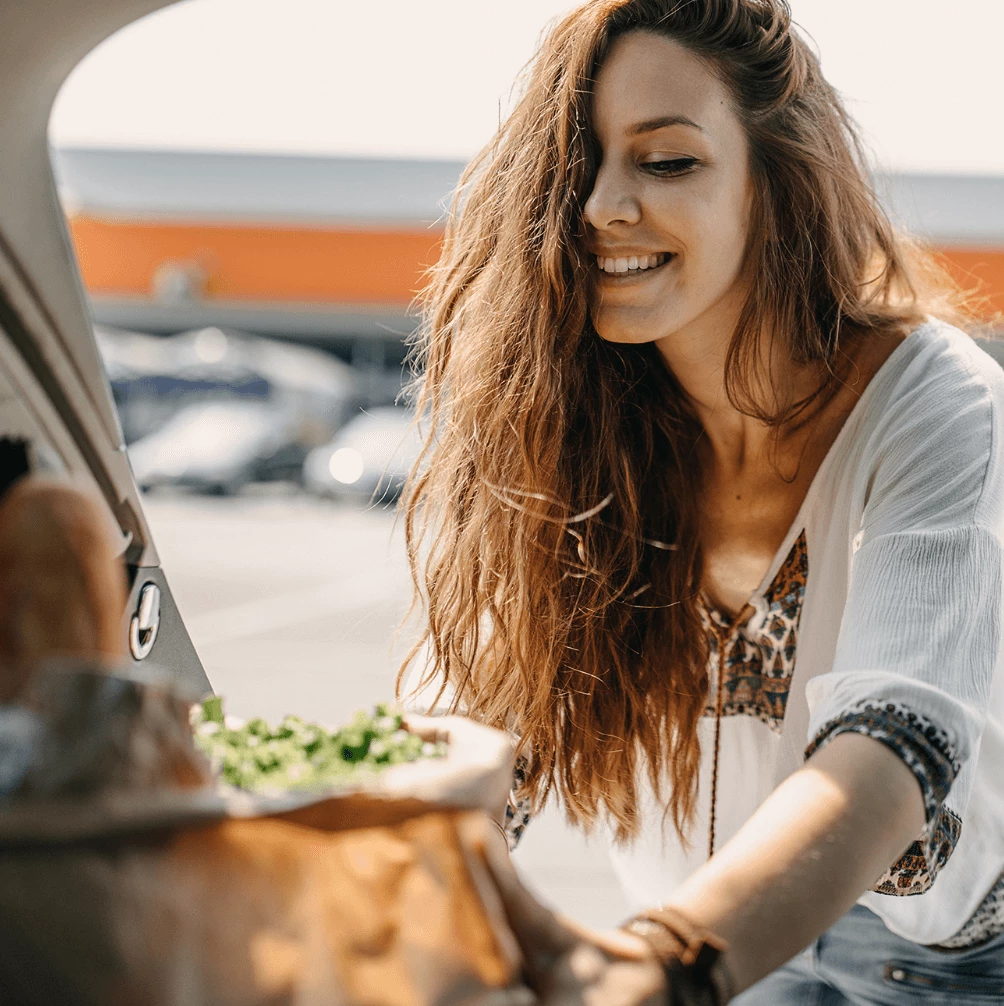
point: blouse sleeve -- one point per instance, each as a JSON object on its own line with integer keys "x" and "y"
{"x": 920, "y": 634}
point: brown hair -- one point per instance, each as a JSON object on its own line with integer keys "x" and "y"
{"x": 552, "y": 523}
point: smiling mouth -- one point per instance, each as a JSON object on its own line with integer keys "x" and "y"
{"x": 636, "y": 265}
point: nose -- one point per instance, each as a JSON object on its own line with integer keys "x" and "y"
{"x": 612, "y": 200}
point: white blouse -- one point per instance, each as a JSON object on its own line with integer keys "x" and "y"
{"x": 881, "y": 614}
{"x": 898, "y": 635}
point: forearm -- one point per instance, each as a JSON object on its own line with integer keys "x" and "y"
{"x": 814, "y": 847}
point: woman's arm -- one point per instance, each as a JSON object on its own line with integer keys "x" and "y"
{"x": 818, "y": 842}
{"x": 800, "y": 862}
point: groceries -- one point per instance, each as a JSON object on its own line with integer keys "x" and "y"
{"x": 158, "y": 883}
{"x": 296, "y": 755}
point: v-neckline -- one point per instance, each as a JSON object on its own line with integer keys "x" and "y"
{"x": 798, "y": 524}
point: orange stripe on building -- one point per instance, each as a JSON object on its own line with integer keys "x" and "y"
{"x": 283, "y": 263}
{"x": 980, "y": 271}
{"x": 256, "y": 262}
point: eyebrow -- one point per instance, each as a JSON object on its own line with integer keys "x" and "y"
{"x": 651, "y": 125}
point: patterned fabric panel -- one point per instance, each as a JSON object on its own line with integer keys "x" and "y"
{"x": 915, "y": 870}
{"x": 927, "y": 749}
{"x": 986, "y": 923}
{"x": 929, "y": 753}
{"x": 760, "y": 661}
{"x": 517, "y": 811}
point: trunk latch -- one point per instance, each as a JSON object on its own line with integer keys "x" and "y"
{"x": 145, "y": 623}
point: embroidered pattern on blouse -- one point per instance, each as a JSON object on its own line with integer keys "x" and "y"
{"x": 760, "y": 661}
{"x": 985, "y": 924}
{"x": 517, "y": 811}
{"x": 915, "y": 870}
{"x": 929, "y": 753}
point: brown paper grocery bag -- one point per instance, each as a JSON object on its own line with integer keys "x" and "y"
{"x": 258, "y": 911}
{"x": 126, "y": 879}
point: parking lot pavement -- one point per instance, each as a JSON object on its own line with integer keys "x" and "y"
{"x": 293, "y": 605}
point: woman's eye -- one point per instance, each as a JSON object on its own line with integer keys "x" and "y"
{"x": 670, "y": 166}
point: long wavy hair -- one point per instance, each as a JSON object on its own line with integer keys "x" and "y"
{"x": 552, "y": 522}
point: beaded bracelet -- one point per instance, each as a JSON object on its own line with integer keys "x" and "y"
{"x": 690, "y": 957}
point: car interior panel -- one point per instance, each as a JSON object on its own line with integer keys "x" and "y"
{"x": 54, "y": 394}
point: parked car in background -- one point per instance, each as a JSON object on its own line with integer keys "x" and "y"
{"x": 219, "y": 447}
{"x": 213, "y": 410}
{"x": 369, "y": 458}
{"x": 153, "y": 378}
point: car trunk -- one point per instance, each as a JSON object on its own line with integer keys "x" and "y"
{"x": 55, "y": 393}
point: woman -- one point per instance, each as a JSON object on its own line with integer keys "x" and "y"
{"x": 712, "y": 518}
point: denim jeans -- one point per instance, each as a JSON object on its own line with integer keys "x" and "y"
{"x": 858, "y": 961}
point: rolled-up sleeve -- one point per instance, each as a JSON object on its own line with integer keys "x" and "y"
{"x": 919, "y": 639}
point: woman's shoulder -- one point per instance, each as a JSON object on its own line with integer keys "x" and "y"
{"x": 938, "y": 384}
{"x": 940, "y": 359}
{"x": 930, "y": 440}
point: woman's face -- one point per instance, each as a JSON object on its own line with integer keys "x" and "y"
{"x": 667, "y": 217}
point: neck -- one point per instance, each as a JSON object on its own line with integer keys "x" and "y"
{"x": 696, "y": 355}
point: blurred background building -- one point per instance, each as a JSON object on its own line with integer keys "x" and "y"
{"x": 331, "y": 250}
{"x": 284, "y": 285}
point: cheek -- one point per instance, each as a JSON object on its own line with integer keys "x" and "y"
{"x": 718, "y": 246}
{"x": 713, "y": 264}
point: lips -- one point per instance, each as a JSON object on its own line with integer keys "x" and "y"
{"x": 631, "y": 265}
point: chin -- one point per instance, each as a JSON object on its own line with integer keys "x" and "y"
{"x": 631, "y": 331}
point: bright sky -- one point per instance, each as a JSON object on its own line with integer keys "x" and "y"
{"x": 426, "y": 78}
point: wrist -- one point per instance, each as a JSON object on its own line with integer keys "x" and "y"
{"x": 692, "y": 958}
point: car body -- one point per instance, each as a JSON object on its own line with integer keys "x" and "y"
{"x": 153, "y": 378}
{"x": 215, "y": 447}
{"x": 368, "y": 459}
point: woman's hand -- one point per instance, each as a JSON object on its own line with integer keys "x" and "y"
{"x": 567, "y": 965}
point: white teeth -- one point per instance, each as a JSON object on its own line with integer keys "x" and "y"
{"x": 636, "y": 263}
